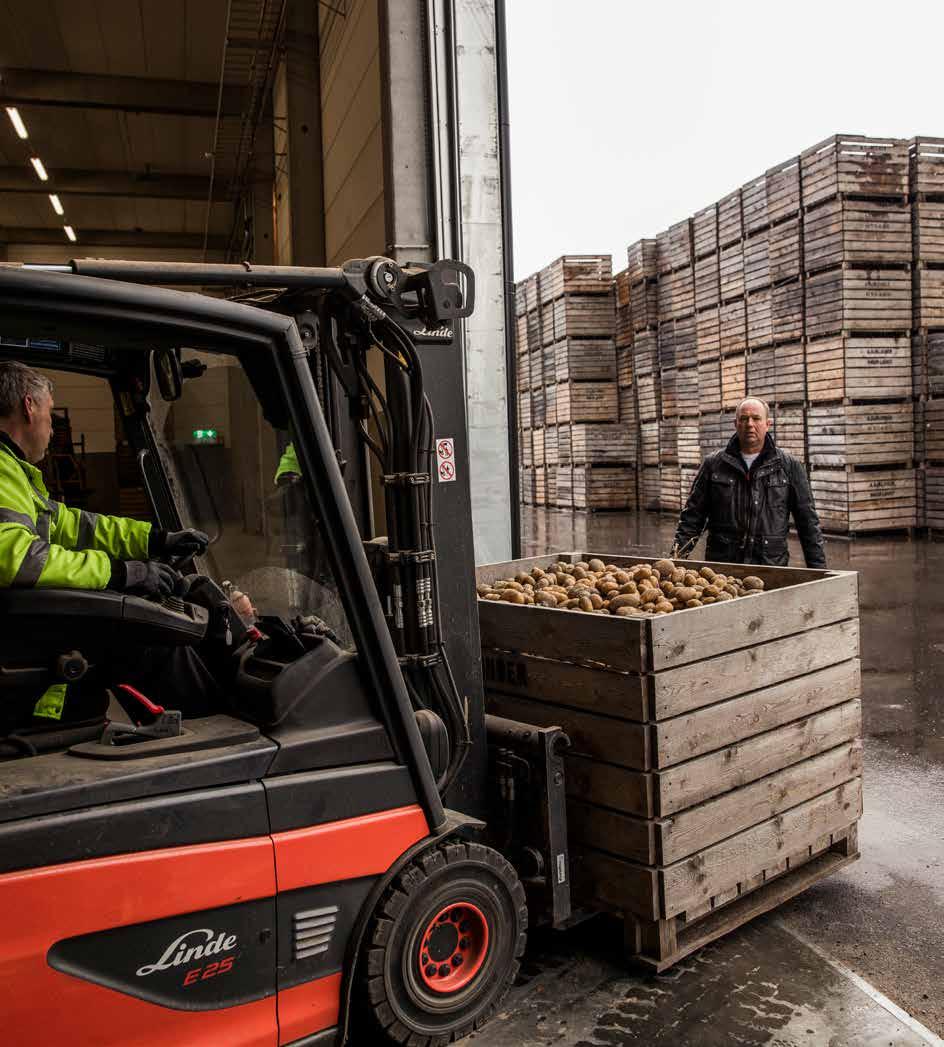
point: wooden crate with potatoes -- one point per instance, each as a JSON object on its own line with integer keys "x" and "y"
{"x": 715, "y": 761}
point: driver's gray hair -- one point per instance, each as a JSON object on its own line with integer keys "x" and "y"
{"x": 755, "y": 400}
{"x": 17, "y": 381}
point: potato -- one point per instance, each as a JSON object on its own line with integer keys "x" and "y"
{"x": 492, "y": 596}
{"x": 753, "y": 582}
{"x": 543, "y": 599}
{"x": 707, "y": 572}
{"x": 483, "y": 590}
{"x": 626, "y": 612}
{"x": 665, "y": 607}
{"x": 690, "y": 577}
{"x": 625, "y": 600}
{"x": 584, "y": 604}
{"x": 596, "y": 565}
{"x": 708, "y": 600}
{"x": 677, "y": 577}
{"x": 693, "y": 603}
{"x": 664, "y": 567}
{"x": 731, "y": 590}
{"x": 621, "y": 577}
{"x": 596, "y": 600}
{"x": 512, "y": 596}
{"x": 685, "y": 593}
{"x": 712, "y": 590}
{"x": 723, "y": 595}
{"x": 667, "y": 587}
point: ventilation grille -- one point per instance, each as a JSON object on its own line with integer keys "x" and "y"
{"x": 312, "y": 931}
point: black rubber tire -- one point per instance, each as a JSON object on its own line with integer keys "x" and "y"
{"x": 391, "y": 1000}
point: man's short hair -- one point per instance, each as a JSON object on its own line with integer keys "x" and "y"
{"x": 17, "y": 381}
{"x": 752, "y": 399}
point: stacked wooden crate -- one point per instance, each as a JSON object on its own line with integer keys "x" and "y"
{"x": 858, "y": 317}
{"x": 643, "y": 275}
{"x": 715, "y": 761}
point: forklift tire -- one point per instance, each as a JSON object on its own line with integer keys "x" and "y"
{"x": 443, "y": 946}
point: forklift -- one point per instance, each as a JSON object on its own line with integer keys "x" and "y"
{"x": 349, "y": 850}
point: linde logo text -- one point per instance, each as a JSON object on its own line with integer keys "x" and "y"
{"x": 190, "y": 946}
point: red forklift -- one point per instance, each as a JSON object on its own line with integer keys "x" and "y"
{"x": 347, "y": 850}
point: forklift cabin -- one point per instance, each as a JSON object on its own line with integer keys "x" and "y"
{"x": 284, "y": 871}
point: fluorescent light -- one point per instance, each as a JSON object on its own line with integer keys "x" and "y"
{"x": 39, "y": 169}
{"x": 70, "y": 232}
{"x": 56, "y": 204}
{"x": 17, "y": 121}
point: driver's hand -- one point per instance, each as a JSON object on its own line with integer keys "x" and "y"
{"x": 144, "y": 578}
{"x": 177, "y": 544}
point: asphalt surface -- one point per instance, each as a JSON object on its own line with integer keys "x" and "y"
{"x": 857, "y": 959}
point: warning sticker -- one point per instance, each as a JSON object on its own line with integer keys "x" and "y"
{"x": 446, "y": 459}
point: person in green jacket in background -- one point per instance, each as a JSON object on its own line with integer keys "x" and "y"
{"x": 288, "y": 470}
{"x": 45, "y": 544}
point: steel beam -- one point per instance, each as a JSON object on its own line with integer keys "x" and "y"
{"x": 132, "y": 94}
{"x": 163, "y": 186}
{"x": 110, "y": 238}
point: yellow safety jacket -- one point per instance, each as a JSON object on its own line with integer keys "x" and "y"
{"x": 288, "y": 463}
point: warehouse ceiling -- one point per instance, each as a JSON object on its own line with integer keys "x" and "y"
{"x": 143, "y": 113}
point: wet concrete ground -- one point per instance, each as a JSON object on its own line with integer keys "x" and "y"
{"x": 881, "y": 919}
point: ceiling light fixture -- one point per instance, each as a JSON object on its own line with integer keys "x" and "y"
{"x": 14, "y": 114}
{"x": 39, "y": 169}
{"x": 70, "y": 232}
{"x": 56, "y": 204}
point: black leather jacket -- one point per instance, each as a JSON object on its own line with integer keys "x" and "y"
{"x": 748, "y": 514}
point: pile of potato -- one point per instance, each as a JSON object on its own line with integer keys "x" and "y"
{"x": 642, "y": 590}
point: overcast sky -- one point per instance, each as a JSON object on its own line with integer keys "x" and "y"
{"x": 627, "y": 116}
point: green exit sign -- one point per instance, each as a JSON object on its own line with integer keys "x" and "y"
{"x": 205, "y": 435}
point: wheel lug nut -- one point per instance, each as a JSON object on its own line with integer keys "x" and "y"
{"x": 431, "y": 970}
{"x": 445, "y": 970}
{"x": 464, "y": 926}
{"x": 457, "y": 960}
{"x": 425, "y": 957}
{"x": 464, "y": 943}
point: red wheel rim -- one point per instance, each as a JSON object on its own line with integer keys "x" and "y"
{"x": 453, "y": 947}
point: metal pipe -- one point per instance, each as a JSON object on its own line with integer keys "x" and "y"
{"x": 199, "y": 274}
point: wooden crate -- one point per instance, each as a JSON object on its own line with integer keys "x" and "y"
{"x": 789, "y": 430}
{"x": 530, "y": 288}
{"x": 761, "y": 374}
{"x": 537, "y": 446}
{"x": 526, "y": 447}
{"x": 576, "y": 274}
{"x": 687, "y": 476}
{"x": 707, "y": 281}
{"x": 524, "y": 409}
{"x": 928, "y": 232}
{"x": 551, "y": 481}
{"x": 644, "y": 305}
{"x": 646, "y": 353}
{"x": 551, "y": 446}
{"x": 585, "y": 360}
{"x": 705, "y": 231}
{"x": 860, "y": 434}
{"x": 790, "y": 373}
{"x": 564, "y": 443}
{"x": 538, "y": 407}
{"x": 730, "y": 223}
{"x": 642, "y": 260}
{"x": 603, "y": 443}
{"x": 783, "y": 190}
{"x": 540, "y": 487}
{"x": 523, "y": 372}
{"x": 668, "y": 440}
{"x": 929, "y": 297}
{"x": 565, "y": 487}
{"x": 535, "y": 339}
{"x": 623, "y": 326}
{"x": 756, "y": 251}
{"x": 927, "y": 358}
{"x": 786, "y": 311}
{"x": 731, "y": 272}
{"x": 649, "y": 480}
{"x": 677, "y": 342}
{"x": 709, "y": 385}
{"x": 784, "y": 250}
{"x": 689, "y": 445}
{"x": 933, "y": 477}
{"x": 733, "y": 380}
{"x": 549, "y": 363}
{"x": 627, "y": 409}
{"x": 926, "y": 157}
{"x": 550, "y": 404}
{"x": 668, "y": 385}
{"x": 859, "y": 368}
{"x": 526, "y": 486}
{"x": 867, "y": 231}
{"x": 714, "y": 431}
{"x": 687, "y": 392}
{"x": 733, "y": 326}
{"x": 859, "y": 300}
{"x": 667, "y": 344}
{"x": 850, "y": 502}
{"x": 521, "y": 298}
{"x": 670, "y": 485}
{"x": 648, "y": 396}
{"x": 583, "y": 316}
{"x": 676, "y": 294}
{"x": 754, "y": 205}
{"x": 932, "y": 420}
{"x": 604, "y": 487}
{"x": 854, "y": 164}
{"x": 708, "y": 334}
{"x": 624, "y": 366}
{"x": 760, "y": 328}
{"x": 548, "y": 337}
{"x": 674, "y": 247}
{"x": 649, "y": 440}
{"x": 521, "y": 335}
{"x": 709, "y": 755}
{"x": 586, "y": 402}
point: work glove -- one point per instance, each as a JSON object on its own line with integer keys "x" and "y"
{"x": 143, "y": 578}
{"x": 178, "y": 544}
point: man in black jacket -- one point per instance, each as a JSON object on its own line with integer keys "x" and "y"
{"x": 745, "y": 495}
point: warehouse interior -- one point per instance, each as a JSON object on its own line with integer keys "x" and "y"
{"x": 289, "y": 132}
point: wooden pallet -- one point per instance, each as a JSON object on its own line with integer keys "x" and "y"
{"x": 707, "y": 281}
{"x": 587, "y": 402}
{"x": 576, "y": 274}
{"x": 859, "y": 368}
{"x": 854, "y": 164}
{"x": 705, "y": 231}
{"x": 583, "y": 316}
{"x": 550, "y": 480}
{"x": 687, "y": 474}
{"x": 708, "y": 334}
{"x": 861, "y": 300}
{"x": 784, "y": 251}
{"x": 859, "y": 502}
{"x": 642, "y": 262}
{"x": 733, "y": 324}
{"x": 709, "y": 385}
{"x": 524, "y": 410}
{"x": 926, "y": 158}
{"x": 760, "y": 325}
{"x": 676, "y": 294}
{"x": 710, "y": 756}
{"x": 521, "y": 298}
{"x": 674, "y": 247}
{"x": 929, "y": 297}
{"x": 526, "y": 485}
{"x": 731, "y": 271}
{"x": 604, "y": 487}
{"x": 585, "y": 360}
{"x": 733, "y": 380}
{"x": 603, "y": 443}
{"x": 841, "y": 230}
{"x": 756, "y": 251}
{"x": 928, "y": 231}
{"x": 860, "y": 434}
{"x": 730, "y": 221}
{"x": 783, "y": 190}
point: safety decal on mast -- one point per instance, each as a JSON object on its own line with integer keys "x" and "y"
{"x": 446, "y": 459}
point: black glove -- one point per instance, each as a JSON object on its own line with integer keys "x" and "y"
{"x": 143, "y": 578}
{"x": 178, "y": 543}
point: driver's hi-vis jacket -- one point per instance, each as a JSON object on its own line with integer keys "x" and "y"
{"x": 45, "y": 543}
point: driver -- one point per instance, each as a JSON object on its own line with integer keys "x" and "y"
{"x": 44, "y": 543}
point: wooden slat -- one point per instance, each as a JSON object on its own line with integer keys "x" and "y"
{"x": 608, "y": 785}
{"x": 843, "y": 230}
{"x": 585, "y": 359}
{"x": 858, "y": 300}
{"x": 860, "y": 434}
{"x": 784, "y": 250}
{"x": 607, "y": 830}
{"x": 876, "y": 368}
{"x": 641, "y": 259}
{"x": 926, "y": 157}
{"x": 854, "y": 164}
{"x": 576, "y": 274}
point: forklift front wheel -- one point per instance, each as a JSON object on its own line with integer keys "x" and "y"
{"x": 444, "y": 944}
